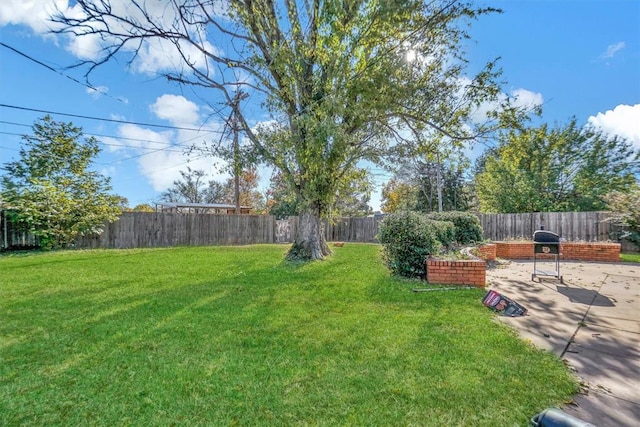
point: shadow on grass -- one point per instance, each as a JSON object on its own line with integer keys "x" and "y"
{"x": 300, "y": 344}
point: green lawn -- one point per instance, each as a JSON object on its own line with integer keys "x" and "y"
{"x": 236, "y": 336}
{"x": 629, "y": 257}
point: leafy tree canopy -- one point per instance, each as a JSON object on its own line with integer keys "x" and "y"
{"x": 352, "y": 198}
{"x": 249, "y": 195}
{"x": 194, "y": 188}
{"x": 564, "y": 168}
{"x": 52, "y": 191}
{"x": 340, "y": 81}
{"x": 415, "y": 185}
{"x": 142, "y": 207}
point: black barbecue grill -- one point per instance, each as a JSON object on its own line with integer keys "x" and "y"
{"x": 546, "y": 243}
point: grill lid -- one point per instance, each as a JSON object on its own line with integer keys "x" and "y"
{"x": 542, "y": 236}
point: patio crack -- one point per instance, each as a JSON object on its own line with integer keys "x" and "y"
{"x": 586, "y": 313}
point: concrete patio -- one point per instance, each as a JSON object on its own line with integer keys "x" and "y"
{"x": 592, "y": 321}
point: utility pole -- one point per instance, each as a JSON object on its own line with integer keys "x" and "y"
{"x": 237, "y": 167}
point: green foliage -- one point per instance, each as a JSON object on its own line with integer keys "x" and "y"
{"x": 398, "y": 196}
{"x": 340, "y": 80}
{"x": 625, "y": 207}
{"x": 467, "y": 225}
{"x": 143, "y": 207}
{"x": 192, "y": 188}
{"x": 407, "y": 239}
{"x": 565, "y": 168}
{"x": 429, "y": 175}
{"x": 354, "y": 193}
{"x": 51, "y": 191}
{"x": 445, "y": 232}
{"x": 352, "y": 198}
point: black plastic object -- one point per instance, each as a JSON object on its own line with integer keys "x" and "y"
{"x": 554, "y": 417}
{"x": 542, "y": 236}
{"x": 546, "y": 243}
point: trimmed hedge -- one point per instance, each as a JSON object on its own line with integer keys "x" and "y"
{"x": 468, "y": 228}
{"x": 407, "y": 238}
{"x": 445, "y": 232}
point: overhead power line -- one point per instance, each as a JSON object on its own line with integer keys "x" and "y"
{"x": 103, "y": 119}
{"x": 110, "y": 144}
{"x": 124, "y": 138}
{"x": 50, "y": 68}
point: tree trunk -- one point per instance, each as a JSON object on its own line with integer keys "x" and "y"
{"x": 309, "y": 243}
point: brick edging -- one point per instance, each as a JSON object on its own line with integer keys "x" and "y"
{"x": 569, "y": 251}
{"x": 465, "y": 272}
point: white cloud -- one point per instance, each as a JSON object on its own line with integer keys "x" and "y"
{"x": 33, "y": 13}
{"x": 161, "y": 155}
{"x": 623, "y": 120}
{"x": 176, "y": 109}
{"x": 521, "y": 98}
{"x": 86, "y": 47}
{"x": 612, "y": 49}
{"x": 527, "y": 99}
{"x": 155, "y": 55}
{"x": 108, "y": 171}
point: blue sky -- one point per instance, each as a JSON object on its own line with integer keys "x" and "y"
{"x": 576, "y": 58}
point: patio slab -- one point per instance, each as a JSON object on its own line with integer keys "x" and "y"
{"x": 592, "y": 321}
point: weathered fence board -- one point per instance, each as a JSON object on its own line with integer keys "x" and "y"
{"x": 572, "y": 226}
{"x": 141, "y": 229}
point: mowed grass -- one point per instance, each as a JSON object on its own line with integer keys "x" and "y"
{"x": 630, "y": 257}
{"x": 236, "y": 336}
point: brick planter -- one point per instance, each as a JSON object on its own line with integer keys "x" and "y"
{"x": 569, "y": 251}
{"x": 486, "y": 252}
{"x": 467, "y": 272}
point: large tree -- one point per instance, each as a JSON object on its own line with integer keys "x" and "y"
{"x": 351, "y": 200}
{"x": 51, "y": 190}
{"x": 192, "y": 187}
{"x": 436, "y": 174}
{"x": 342, "y": 80}
{"x": 248, "y": 193}
{"x": 561, "y": 168}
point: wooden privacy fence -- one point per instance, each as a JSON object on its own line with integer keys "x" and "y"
{"x": 571, "y": 226}
{"x": 362, "y": 229}
{"x": 143, "y": 230}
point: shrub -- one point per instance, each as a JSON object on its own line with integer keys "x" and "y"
{"x": 445, "y": 232}
{"x": 626, "y": 212}
{"x": 407, "y": 238}
{"x": 468, "y": 229}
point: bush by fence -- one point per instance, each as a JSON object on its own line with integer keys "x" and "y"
{"x": 467, "y": 226}
{"x": 407, "y": 239}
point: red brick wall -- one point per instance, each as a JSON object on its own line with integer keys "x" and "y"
{"x": 603, "y": 252}
{"x": 468, "y": 272}
{"x": 514, "y": 250}
{"x": 570, "y": 251}
{"x": 486, "y": 252}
